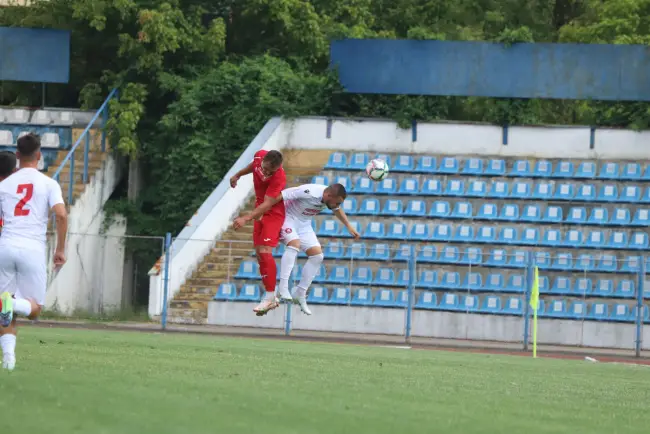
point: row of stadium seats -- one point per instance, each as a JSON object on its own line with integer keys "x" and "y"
{"x": 20, "y": 116}
{"x": 50, "y": 137}
{"x": 48, "y": 156}
{"x": 621, "y": 216}
{"x": 452, "y": 255}
{"x": 428, "y": 279}
{"x": 495, "y": 167}
{"x": 524, "y": 190}
{"x": 448, "y": 302}
{"x": 594, "y": 239}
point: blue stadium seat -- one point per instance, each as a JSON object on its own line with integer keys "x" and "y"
{"x": 362, "y": 276}
{"x": 402, "y": 298}
{"x": 392, "y": 207}
{"x": 564, "y": 192}
{"x": 449, "y": 302}
{"x": 497, "y": 258}
{"x": 543, "y": 285}
{"x": 462, "y": 210}
{"x": 617, "y": 240}
{"x": 499, "y": 190}
{"x": 450, "y": 280}
{"x": 598, "y": 216}
{"x": 250, "y": 293}
{"x": 387, "y": 186}
{"x": 543, "y": 190}
{"x": 641, "y": 217}
{"x": 563, "y": 169}
{"x": 439, "y": 209}
{"x": 543, "y": 169}
{"x": 362, "y": 297}
{"x": 318, "y": 295}
{"x": 577, "y": 215}
{"x": 473, "y": 166}
{"x": 431, "y": 187}
{"x": 542, "y": 260}
{"x": 496, "y": 168}
{"x": 625, "y": 289}
{"x": 403, "y": 253}
{"x": 556, "y": 309}
{"x": 441, "y": 233}
{"x": 374, "y": 230}
{"x": 226, "y": 291}
{"x": 356, "y": 251}
{"x": 585, "y": 263}
{"x": 358, "y": 162}
{"x": 562, "y": 262}
{"x": 513, "y": 306}
{"x": 630, "y": 193}
{"x": 427, "y": 300}
{"x": 608, "y": 171}
{"x": 561, "y": 286}
{"x": 488, "y": 211}
{"x": 427, "y": 279}
{"x": 516, "y": 283}
{"x": 426, "y": 165}
{"x": 369, "y": 207}
{"x": 248, "y": 270}
{"x": 553, "y": 214}
{"x": 379, "y": 252}
{"x": 582, "y": 287}
{"x": 509, "y": 212}
{"x": 472, "y": 256}
{"x": 427, "y": 255}
{"x": 646, "y": 195}
{"x": 340, "y": 296}
{"x": 644, "y": 314}
{"x": 639, "y": 240}
{"x": 621, "y": 217}
{"x": 337, "y": 160}
{"x": 631, "y": 172}
{"x": 419, "y": 232}
{"x": 464, "y": 234}
{"x": 349, "y": 206}
{"x": 608, "y": 193}
{"x": 518, "y": 259}
{"x": 344, "y": 181}
{"x": 586, "y": 193}
{"x": 320, "y": 180}
{"x": 384, "y": 277}
{"x": 603, "y": 288}
{"x": 607, "y": 263}
{"x": 631, "y": 264}
{"x": 491, "y": 304}
{"x": 532, "y": 213}
{"x": 472, "y": 281}
{"x": 494, "y": 282}
{"x": 339, "y": 274}
{"x": 552, "y": 238}
{"x": 620, "y": 312}
{"x": 469, "y": 303}
{"x": 403, "y": 163}
{"x": 508, "y": 235}
{"x": 448, "y": 165}
{"x": 486, "y": 234}
{"x": 477, "y": 189}
{"x": 521, "y": 168}
{"x": 449, "y": 255}
{"x": 355, "y": 225}
{"x": 520, "y": 190}
{"x": 586, "y": 170}
{"x": 364, "y": 185}
{"x": 599, "y": 311}
{"x": 573, "y": 238}
{"x": 455, "y": 187}
{"x": 384, "y": 297}
{"x": 416, "y": 208}
{"x": 334, "y": 250}
{"x": 409, "y": 186}
{"x": 403, "y": 278}
{"x": 578, "y": 310}
{"x": 396, "y": 231}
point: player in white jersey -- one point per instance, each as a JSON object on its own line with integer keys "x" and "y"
{"x": 301, "y": 204}
{"x": 26, "y": 199}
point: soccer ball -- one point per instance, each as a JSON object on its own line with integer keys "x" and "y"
{"x": 377, "y": 169}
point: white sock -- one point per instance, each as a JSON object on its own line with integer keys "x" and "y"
{"x": 22, "y": 307}
{"x": 286, "y": 267}
{"x": 309, "y": 272}
{"x": 269, "y": 295}
{"x": 8, "y": 344}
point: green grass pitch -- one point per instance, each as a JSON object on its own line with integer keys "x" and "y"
{"x": 78, "y": 381}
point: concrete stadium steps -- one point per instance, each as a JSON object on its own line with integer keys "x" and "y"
{"x": 190, "y": 305}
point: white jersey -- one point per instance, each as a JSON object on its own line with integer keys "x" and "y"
{"x": 26, "y": 198}
{"x": 304, "y": 202}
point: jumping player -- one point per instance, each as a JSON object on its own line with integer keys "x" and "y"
{"x": 269, "y": 180}
{"x": 26, "y": 199}
{"x": 301, "y": 205}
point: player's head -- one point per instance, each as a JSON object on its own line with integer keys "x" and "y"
{"x": 29, "y": 148}
{"x": 7, "y": 164}
{"x": 334, "y": 195}
{"x": 271, "y": 163}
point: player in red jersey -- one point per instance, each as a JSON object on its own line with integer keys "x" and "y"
{"x": 269, "y": 180}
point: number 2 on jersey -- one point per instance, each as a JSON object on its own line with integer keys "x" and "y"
{"x": 27, "y": 190}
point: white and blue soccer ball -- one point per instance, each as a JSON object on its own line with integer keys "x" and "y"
{"x": 377, "y": 169}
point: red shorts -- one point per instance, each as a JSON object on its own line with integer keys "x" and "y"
{"x": 266, "y": 232}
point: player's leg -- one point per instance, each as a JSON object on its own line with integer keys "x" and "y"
{"x": 8, "y": 345}
{"x": 289, "y": 236}
{"x": 7, "y": 316}
{"x": 266, "y": 237}
{"x": 31, "y": 283}
{"x": 315, "y": 257}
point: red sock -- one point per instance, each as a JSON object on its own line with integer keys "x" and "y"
{"x": 268, "y": 270}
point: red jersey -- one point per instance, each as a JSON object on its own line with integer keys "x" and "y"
{"x": 268, "y": 186}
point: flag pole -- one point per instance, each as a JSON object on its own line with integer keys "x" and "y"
{"x": 534, "y": 333}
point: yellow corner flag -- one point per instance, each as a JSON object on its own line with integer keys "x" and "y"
{"x": 534, "y": 304}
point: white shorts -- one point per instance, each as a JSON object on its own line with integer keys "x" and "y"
{"x": 23, "y": 272}
{"x": 299, "y": 230}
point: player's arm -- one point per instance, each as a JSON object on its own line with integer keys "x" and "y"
{"x": 343, "y": 218}
{"x": 245, "y": 171}
{"x": 57, "y": 206}
{"x": 258, "y": 212}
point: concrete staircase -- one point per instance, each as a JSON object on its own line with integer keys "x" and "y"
{"x": 190, "y": 305}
